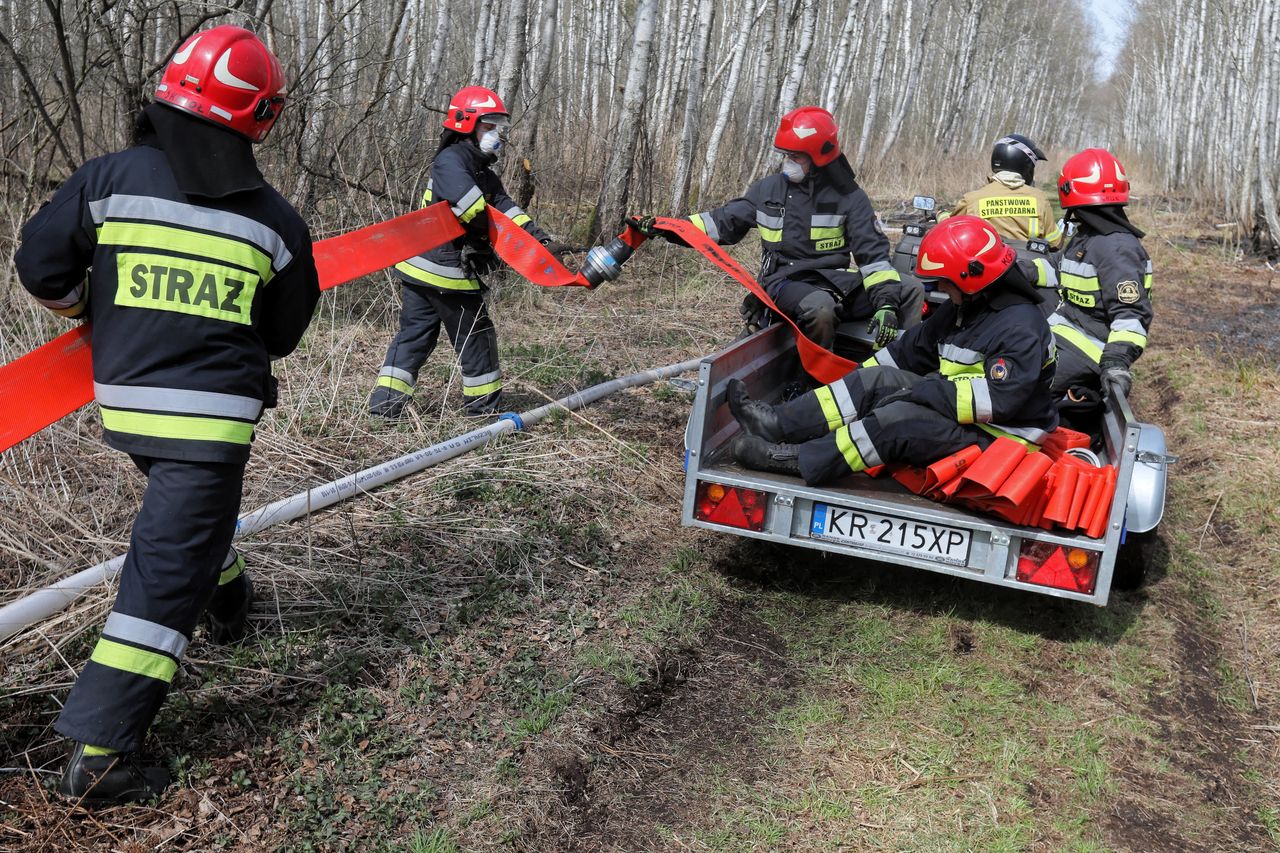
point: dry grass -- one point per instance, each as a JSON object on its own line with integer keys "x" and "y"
{"x": 521, "y": 648}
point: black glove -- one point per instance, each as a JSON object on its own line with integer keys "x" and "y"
{"x": 1116, "y": 373}
{"x": 754, "y": 313}
{"x": 645, "y": 225}
{"x": 480, "y": 262}
{"x": 560, "y": 249}
{"x": 883, "y": 327}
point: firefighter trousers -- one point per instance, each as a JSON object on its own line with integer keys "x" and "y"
{"x": 466, "y": 320}
{"x": 179, "y": 550}
{"x": 1074, "y": 369}
{"x": 860, "y": 421}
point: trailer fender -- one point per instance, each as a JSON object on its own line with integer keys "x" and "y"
{"x": 1145, "y": 505}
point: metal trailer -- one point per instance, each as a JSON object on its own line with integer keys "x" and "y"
{"x": 877, "y": 519}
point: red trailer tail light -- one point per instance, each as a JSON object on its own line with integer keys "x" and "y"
{"x": 731, "y": 506}
{"x": 1045, "y": 564}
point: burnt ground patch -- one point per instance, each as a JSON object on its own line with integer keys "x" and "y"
{"x": 692, "y": 720}
{"x": 1232, "y": 317}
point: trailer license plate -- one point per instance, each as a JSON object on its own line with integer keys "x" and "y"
{"x": 894, "y": 535}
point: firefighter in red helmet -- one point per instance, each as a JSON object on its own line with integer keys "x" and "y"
{"x": 445, "y": 286}
{"x": 978, "y": 368}
{"x": 195, "y": 273}
{"x": 825, "y": 256}
{"x": 1105, "y": 275}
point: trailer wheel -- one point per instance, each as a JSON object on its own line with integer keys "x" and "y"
{"x": 1133, "y": 561}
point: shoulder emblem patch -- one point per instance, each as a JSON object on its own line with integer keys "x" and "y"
{"x": 999, "y": 370}
{"x": 1128, "y": 292}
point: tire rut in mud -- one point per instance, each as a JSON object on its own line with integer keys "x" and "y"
{"x": 697, "y": 715}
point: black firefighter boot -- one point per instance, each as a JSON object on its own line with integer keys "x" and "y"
{"x": 756, "y": 418}
{"x": 110, "y": 780}
{"x": 227, "y": 615}
{"x": 761, "y": 455}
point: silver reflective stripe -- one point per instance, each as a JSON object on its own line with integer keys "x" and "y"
{"x": 1056, "y": 319}
{"x": 709, "y": 225}
{"x": 1128, "y": 324}
{"x": 396, "y": 373}
{"x": 774, "y": 222}
{"x": 844, "y": 402}
{"x": 1031, "y": 434}
{"x": 874, "y": 267}
{"x": 439, "y": 269}
{"x": 1047, "y": 270}
{"x": 513, "y": 211}
{"x": 177, "y": 400}
{"x": 482, "y": 379}
{"x": 175, "y": 213}
{"x": 65, "y": 302}
{"x": 144, "y": 633}
{"x": 959, "y": 355}
{"x": 862, "y": 441}
{"x": 981, "y": 400}
{"x": 1077, "y": 268}
{"x": 827, "y": 220}
{"x": 885, "y": 359}
{"x": 1149, "y": 267}
{"x": 467, "y": 200}
{"x": 230, "y": 560}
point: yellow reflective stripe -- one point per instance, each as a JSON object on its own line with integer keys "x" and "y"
{"x": 952, "y": 369}
{"x": 844, "y": 443}
{"x": 825, "y": 233}
{"x": 130, "y": 659}
{"x": 770, "y": 235}
{"x": 1075, "y": 282}
{"x": 1079, "y": 340}
{"x": 830, "y": 409}
{"x": 1146, "y": 284}
{"x": 437, "y": 280}
{"x": 880, "y": 277}
{"x": 395, "y": 385}
{"x": 696, "y": 219}
{"x": 177, "y": 426}
{"x": 471, "y": 212}
{"x": 427, "y": 197}
{"x": 90, "y": 750}
{"x": 184, "y": 286}
{"x": 1053, "y": 235}
{"x": 481, "y": 390}
{"x": 232, "y": 572}
{"x": 964, "y": 401}
{"x": 146, "y": 235}
{"x": 871, "y": 362}
{"x": 999, "y": 433}
{"x": 521, "y": 218}
{"x": 1127, "y": 338}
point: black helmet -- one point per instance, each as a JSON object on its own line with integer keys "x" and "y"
{"x": 1016, "y": 153}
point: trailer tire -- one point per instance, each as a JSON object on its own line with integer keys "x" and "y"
{"x": 1133, "y": 561}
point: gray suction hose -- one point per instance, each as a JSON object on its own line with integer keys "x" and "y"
{"x": 41, "y": 604}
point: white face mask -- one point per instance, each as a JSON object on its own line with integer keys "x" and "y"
{"x": 793, "y": 170}
{"x": 491, "y": 142}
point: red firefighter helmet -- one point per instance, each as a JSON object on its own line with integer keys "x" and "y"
{"x": 470, "y": 105}
{"x": 964, "y": 250}
{"x": 227, "y": 76}
{"x": 809, "y": 130}
{"x": 1094, "y": 176}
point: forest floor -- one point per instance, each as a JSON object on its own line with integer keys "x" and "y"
{"x": 523, "y": 649}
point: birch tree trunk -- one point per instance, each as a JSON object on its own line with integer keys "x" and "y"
{"x": 617, "y": 176}
{"x": 873, "y": 95}
{"x": 513, "y": 51}
{"x": 526, "y": 134}
{"x": 692, "y": 107}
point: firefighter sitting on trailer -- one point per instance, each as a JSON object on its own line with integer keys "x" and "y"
{"x": 812, "y": 217}
{"x": 1105, "y": 275}
{"x": 199, "y": 273}
{"x": 445, "y": 285}
{"x": 1011, "y": 202}
{"x": 979, "y": 367}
